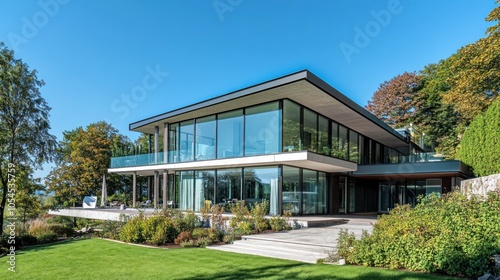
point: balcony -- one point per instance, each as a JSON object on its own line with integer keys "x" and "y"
{"x": 136, "y": 160}
{"x": 421, "y": 157}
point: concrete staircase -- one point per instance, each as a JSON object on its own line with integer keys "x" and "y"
{"x": 274, "y": 248}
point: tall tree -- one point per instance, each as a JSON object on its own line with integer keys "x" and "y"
{"x": 24, "y": 121}
{"x": 480, "y": 145}
{"x": 395, "y": 101}
{"x": 83, "y": 160}
{"x": 435, "y": 118}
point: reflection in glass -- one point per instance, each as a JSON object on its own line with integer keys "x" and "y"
{"x": 204, "y": 189}
{"x": 291, "y": 194}
{"x": 187, "y": 141}
{"x": 262, "y": 125}
{"x": 343, "y": 142}
{"x": 353, "y": 146}
{"x": 260, "y": 184}
{"x": 291, "y": 127}
{"x": 205, "y": 138}
{"x": 310, "y": 135}
{"x": 228, "y": 187}
{"x": 173, "y": 143}
{"x": 323, "y": 136}
{"x": 186, "y": 189}
{"x": 230, "y": 134}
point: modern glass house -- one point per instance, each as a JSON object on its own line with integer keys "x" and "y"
{"x": 294, "y": 141}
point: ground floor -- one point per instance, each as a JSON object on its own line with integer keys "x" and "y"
{"x": 299, "y": 191}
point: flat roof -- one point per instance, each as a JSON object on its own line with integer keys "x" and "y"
{"x": 302, "y": 87}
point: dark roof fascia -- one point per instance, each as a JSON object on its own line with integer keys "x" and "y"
{"x": 294, "y": 77}
{"x": 449, "y": 166}
{"x": 351, "y": 104}
{"x": 280, "y": 81}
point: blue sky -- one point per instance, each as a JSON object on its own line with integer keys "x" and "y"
{"x": 125, "y": 60}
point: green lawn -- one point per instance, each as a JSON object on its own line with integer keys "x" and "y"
{"x": 101, "y": 259}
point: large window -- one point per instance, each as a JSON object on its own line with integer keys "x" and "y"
{"x": 186, "y": 189}
{"x": 228, "y": 186}
{"x": 292, "y": 191}
{"x": 323, "y": 136}
{"x": 205, "y": 138}
{"x": 310, "y": 134}
{"x": 262, "y": 129}
{"x": 173, "y": 143}
{"x": 230, "y": 134}
{"x": 204, "y": 189}
{"x": 261, "y": 184}
{"x": 343, "y": 142}
{"x": 353, "y": 146}
{"x": 314, "y": 192}
{"x": 187, "y": 141}
{"x": 291, "y": 127}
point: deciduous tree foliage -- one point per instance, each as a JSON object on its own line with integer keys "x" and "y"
{"x": 83, "y": 160}
{"x": 395, "y": 101}
{"x": 480, "y": 145}
{"x": 25, "y": 140}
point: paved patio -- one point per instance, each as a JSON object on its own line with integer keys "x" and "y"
{"x": 305, "y": 245}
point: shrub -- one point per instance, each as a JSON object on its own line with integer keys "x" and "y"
{"x": 279, "y": 223}
{"x": 231, "y": 237}
{"x": 132, "y": 231}
{"x": 204, "y": 241}
{"x": 185, "y": 222}
{"x": 258, "y": 212}
{"x": 38, "y": 227}
{"x": 46, "y": 238}
{"x": 215, "y": 235}
{"x": 218, "y": 220}
{"x": 200, "y": 233}
{"x": 61, "y": 230}
{"x": 188, "y": 243}
{"x": 183, "y": 237}
{"x": 240, "y": 212}
{"x": 451, "y": 234}
{"x": 27, "y": 240}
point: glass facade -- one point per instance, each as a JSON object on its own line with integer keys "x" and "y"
{"x": 205, "y": 138}
{"x": 292, "y": 190}
{"x": 204, "y": 189}
{"x": 228, "y": 186}
{"x": 186, "y": 139}
{"x": 261, "y": 184}
{"x": 310, "y": 134}
{"x": 291, "y": 127}
{"x": 262, "y": 129}
{"x": 186, "y": 190}
{"x": 304, "y": 191}
{"x": 230, "y": 134}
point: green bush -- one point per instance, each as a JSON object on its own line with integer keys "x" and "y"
{"x": 215, "y": 234}
{"x": 132, "y": 231}
{"x": 279, "y": 223}
{"x": 27, "y": 240}
{"x": 157, "y": 229}
{"x": 46, "y": 238}
{"x": 185, "y": 222}
{"x": 62, "y": 230}
{"x": 246, "y": 227}
{"x": 204, "y": 241}
{"x": 240, "y": 213}
{"x": 188, "y": 243}
{"x": 259, "y": 211}
{"x": 451, "y": 234}
{"x": 200, "y": 232}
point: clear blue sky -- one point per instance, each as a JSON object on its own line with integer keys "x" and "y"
{"x": 97, "y": 56}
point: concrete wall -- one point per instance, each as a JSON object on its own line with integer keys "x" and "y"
{"x": 481, "y": 185}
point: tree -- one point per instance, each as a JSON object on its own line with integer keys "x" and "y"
{"x": 435, "y": 118}
{"x": 28, "y": 201}
{"x": 395, "y": 101}
{"x": 83, "y": 160}
{"x": 25, "y": 140}
{"x": 480, "y": 145}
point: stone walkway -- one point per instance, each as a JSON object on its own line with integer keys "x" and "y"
{"x": 305, "y": 245}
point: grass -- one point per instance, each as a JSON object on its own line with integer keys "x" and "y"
{"x": 102, "y": 259}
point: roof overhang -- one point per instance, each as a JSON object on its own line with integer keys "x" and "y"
{"x": 413, "y": 170}
{"x": 303, "y": 159}
{"x": 302, "y": 87}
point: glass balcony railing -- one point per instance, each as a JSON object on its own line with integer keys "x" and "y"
{"x": 174, "y": 157}
{"x": 137, "y": 160}
{"x": 421, "y": 157}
